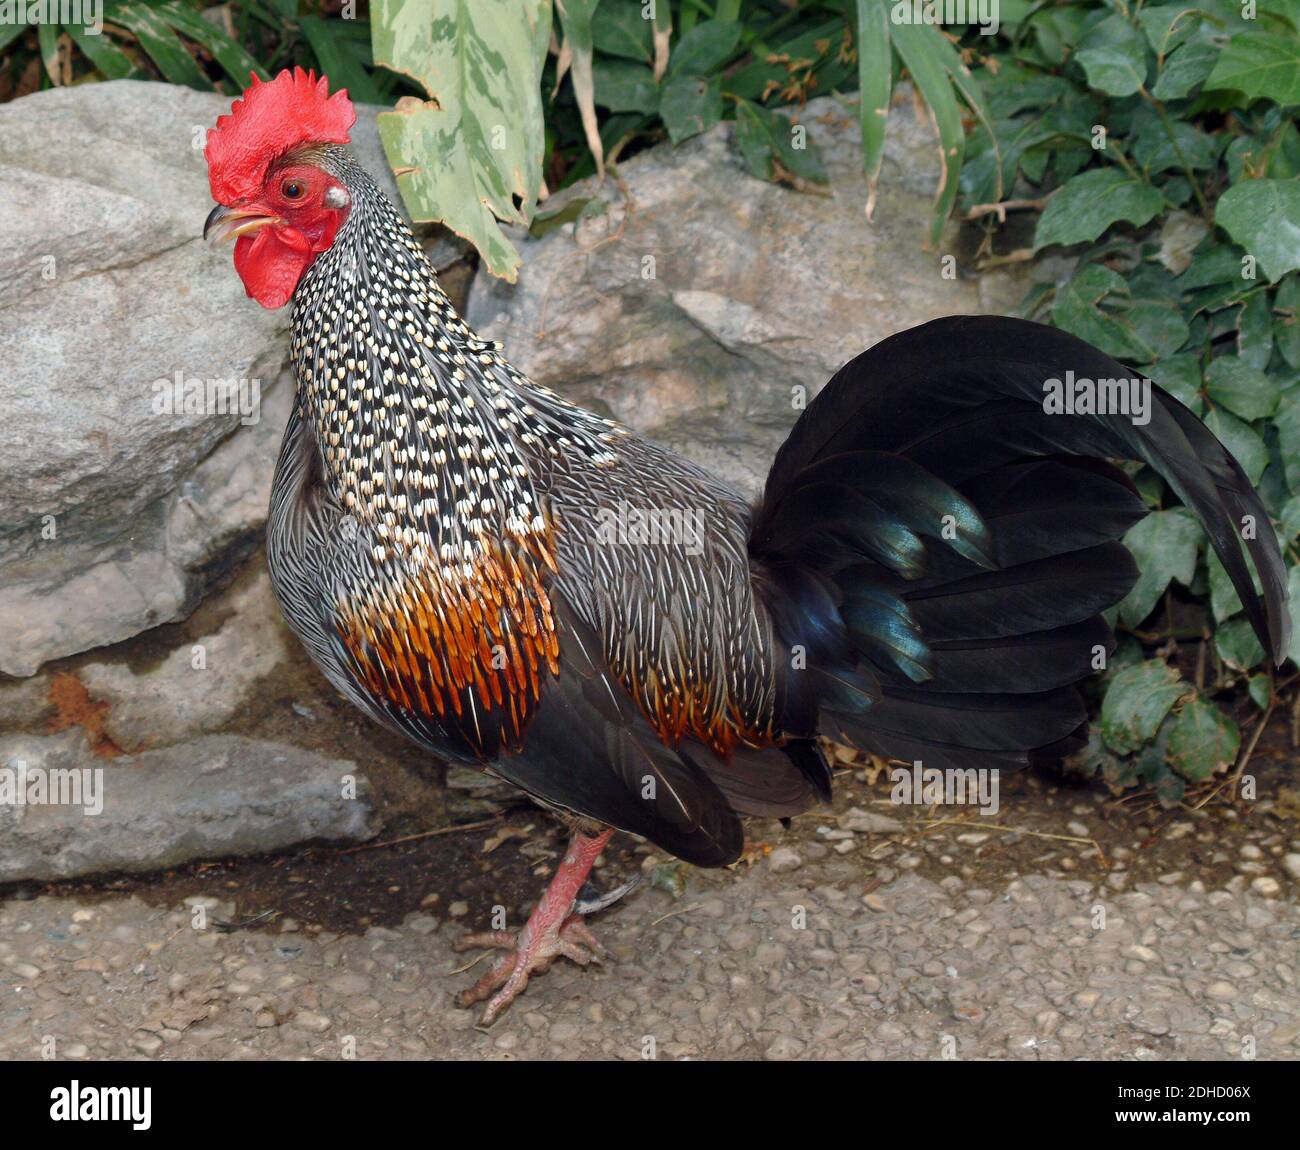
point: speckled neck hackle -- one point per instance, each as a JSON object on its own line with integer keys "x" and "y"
{"x": 426, "y": 432}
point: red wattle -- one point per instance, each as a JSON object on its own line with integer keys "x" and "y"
{"x": 271, "y": 262}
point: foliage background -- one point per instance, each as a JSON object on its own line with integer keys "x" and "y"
{"x": 1154, "y": 145}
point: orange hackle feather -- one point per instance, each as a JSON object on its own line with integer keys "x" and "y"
{"x": 471, "y": 650}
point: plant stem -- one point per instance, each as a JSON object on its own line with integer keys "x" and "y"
{"x": 1178, "y": 151}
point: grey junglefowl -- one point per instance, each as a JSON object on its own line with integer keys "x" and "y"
{"x": 924, "y": 576}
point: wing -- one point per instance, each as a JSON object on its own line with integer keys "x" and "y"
{"x": 510, "y": 677}
{"x": 590, "y": 751}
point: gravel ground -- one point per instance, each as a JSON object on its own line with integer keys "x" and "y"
{"x": 770, "y": 961}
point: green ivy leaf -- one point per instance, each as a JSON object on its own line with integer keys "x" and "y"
{"x": 1264, "y": 217}
{"x": 1114, "y": 57}
{"x": 1241, "y": 388}
{"x": 1237, "y": 644}
{"x": 1286, "y": 322}
{"x": 1169, "y": 788}
{"x": 1185, "y": 68}
{"x": 1167, "y": 26}
{"x": 1200, "y": 739}
{"x": 1075, "y": 308}
{"x": 1255, "y": 331}
{"x": 1287, "y": 423}
{"x": 1136, "y": 703}
{"x": 1158, "y": 327}
{"x": 1212, "y": 263}
{"x": 1242, "y": 440}
{"x": 1276, "y": 156}
{"x": 1155, "y": 152}
{"x": 1224, "y": 600}
{"x": 1164, "y": 544}
{"x": 1289, "y": 520}
{"x": 1089, "y": 203}
{"x": 1261, "y": 690}
{"x": 1260, "y": 65}
{"x": 1293, "y": 600}
{"x": 1180, "y": 375}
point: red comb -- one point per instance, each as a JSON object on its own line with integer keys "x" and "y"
{"x": 268, "y": 121}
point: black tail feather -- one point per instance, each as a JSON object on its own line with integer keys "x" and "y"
{"x": 944, "y": 429}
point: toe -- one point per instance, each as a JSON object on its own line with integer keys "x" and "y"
{"x": 576, "y": 931}
{"x": 500, "y": 973}
{"x": 577, "y": 953}
{"x": 485, "y": 940}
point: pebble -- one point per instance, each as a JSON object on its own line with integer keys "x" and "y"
{"x": 868, "y": 822}
{"x": 310, "y": 1020}
{"x": 145, "y": 1042}
{"x": 785, "y": 1048}
{"x": 784, "y": 860}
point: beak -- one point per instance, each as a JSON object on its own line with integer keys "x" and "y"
{"x": 225, "y": 223}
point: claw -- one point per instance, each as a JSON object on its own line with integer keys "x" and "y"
{"x": 554, "y": 930}
{"x": 589, "y": 900}
{"x": 525, "y": 957}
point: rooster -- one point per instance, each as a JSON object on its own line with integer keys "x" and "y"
{"x": 924, "y": 576}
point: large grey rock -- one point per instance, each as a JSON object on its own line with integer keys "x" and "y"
{"x": 114, "y": 516}
{"x": 217, "y": 796}
{"x": 200, "y": 686}
{"x": 702, "y": 311}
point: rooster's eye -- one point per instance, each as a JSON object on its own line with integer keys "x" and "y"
{"x": 291, "y": 189}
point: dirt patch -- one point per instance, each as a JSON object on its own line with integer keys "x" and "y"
{"x": 1046, "y": 825}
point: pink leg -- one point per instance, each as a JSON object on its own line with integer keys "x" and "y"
{"x": 550, "y": 931}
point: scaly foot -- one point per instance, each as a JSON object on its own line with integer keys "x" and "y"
{"x": 552, "y": 931}
{"x": 525, "y": 956}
